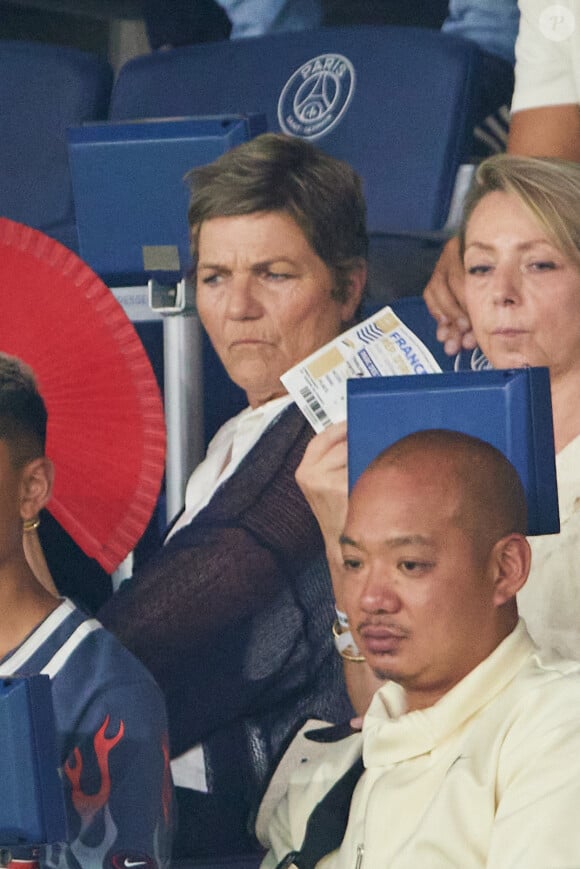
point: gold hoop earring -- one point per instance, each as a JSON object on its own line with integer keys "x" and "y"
{"x": 30, "y": 524}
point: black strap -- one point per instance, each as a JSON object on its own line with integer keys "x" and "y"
{"x": 327, "y": 822}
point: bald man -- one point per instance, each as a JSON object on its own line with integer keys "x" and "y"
{"x": 471, "y": 748}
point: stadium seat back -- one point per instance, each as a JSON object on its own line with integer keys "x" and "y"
{"x": 44, "y": 89}
{"x": 398, "y": 103}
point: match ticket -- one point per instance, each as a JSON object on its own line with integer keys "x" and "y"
{"x": 381, "y": 345}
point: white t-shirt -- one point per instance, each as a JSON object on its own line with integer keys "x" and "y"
{"x": 547, "y": 71}
{"x": 550, "y": 600}
{"x": 228, "y": 447}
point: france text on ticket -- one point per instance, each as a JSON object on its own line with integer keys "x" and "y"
{"x": 381, "y": 345}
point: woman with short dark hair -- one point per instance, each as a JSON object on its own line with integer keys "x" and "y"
{"x": 233, "y": 616}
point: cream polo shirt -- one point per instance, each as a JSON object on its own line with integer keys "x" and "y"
{"x": 547, "y": 71}
{"x": 487, "y": 777}
{"x": 550, "y": 600}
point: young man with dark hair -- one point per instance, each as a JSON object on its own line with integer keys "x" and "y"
{"x": 110, "y": 716}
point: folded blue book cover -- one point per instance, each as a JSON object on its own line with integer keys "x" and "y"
{"x": 509, "y": 409}
{"x": 130, "y": 192}
{"x": 32, "y": 809}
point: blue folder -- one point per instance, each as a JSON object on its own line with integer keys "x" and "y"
{"x": 509, "y": 409}
{"x": 130, "y": 194}
{"x": 32, "y": 810}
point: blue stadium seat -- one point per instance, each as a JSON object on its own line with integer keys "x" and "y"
{"x": 397, "y": 102}
{"x": 44, "y": 89}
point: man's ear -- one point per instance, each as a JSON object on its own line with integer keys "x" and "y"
{"x": 356, "y": 282}
{"x": 35, "y": 486}
{"x": 510, "y": 561}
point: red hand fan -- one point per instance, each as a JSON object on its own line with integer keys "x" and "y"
{"x": 106, "y": 432}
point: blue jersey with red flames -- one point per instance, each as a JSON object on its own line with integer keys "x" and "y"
{"x": 112, "y": 735}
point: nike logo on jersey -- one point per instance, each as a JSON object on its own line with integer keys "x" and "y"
{"x": 132, "y": 861}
